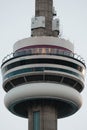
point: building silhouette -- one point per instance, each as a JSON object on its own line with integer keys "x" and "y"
{"x": 43, "y": 77}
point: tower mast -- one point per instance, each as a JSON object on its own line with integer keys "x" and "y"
{"x": 43, "y": 21}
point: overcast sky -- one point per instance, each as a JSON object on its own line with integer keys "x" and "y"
{"x": 15, "y": 21}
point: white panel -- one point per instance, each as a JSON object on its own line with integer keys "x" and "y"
{"x": 54, "y": 12}
{"x": 55, "y": 25}
{"x": 38, "y": 22}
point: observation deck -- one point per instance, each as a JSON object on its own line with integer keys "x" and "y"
{"x": 43, "y": 63}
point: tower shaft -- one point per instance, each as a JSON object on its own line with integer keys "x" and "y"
{"x": 42, "y": 117}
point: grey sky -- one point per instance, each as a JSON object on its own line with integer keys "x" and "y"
{"x": 15, "y": 21}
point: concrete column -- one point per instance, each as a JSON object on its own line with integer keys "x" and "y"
{"x": 48, "y": 117}
{"x": 44, "y": 8}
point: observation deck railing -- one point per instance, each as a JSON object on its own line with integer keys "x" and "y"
{"x": 64, "y": 53}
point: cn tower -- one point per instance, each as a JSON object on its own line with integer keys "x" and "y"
{"x": 43, "y": 77}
